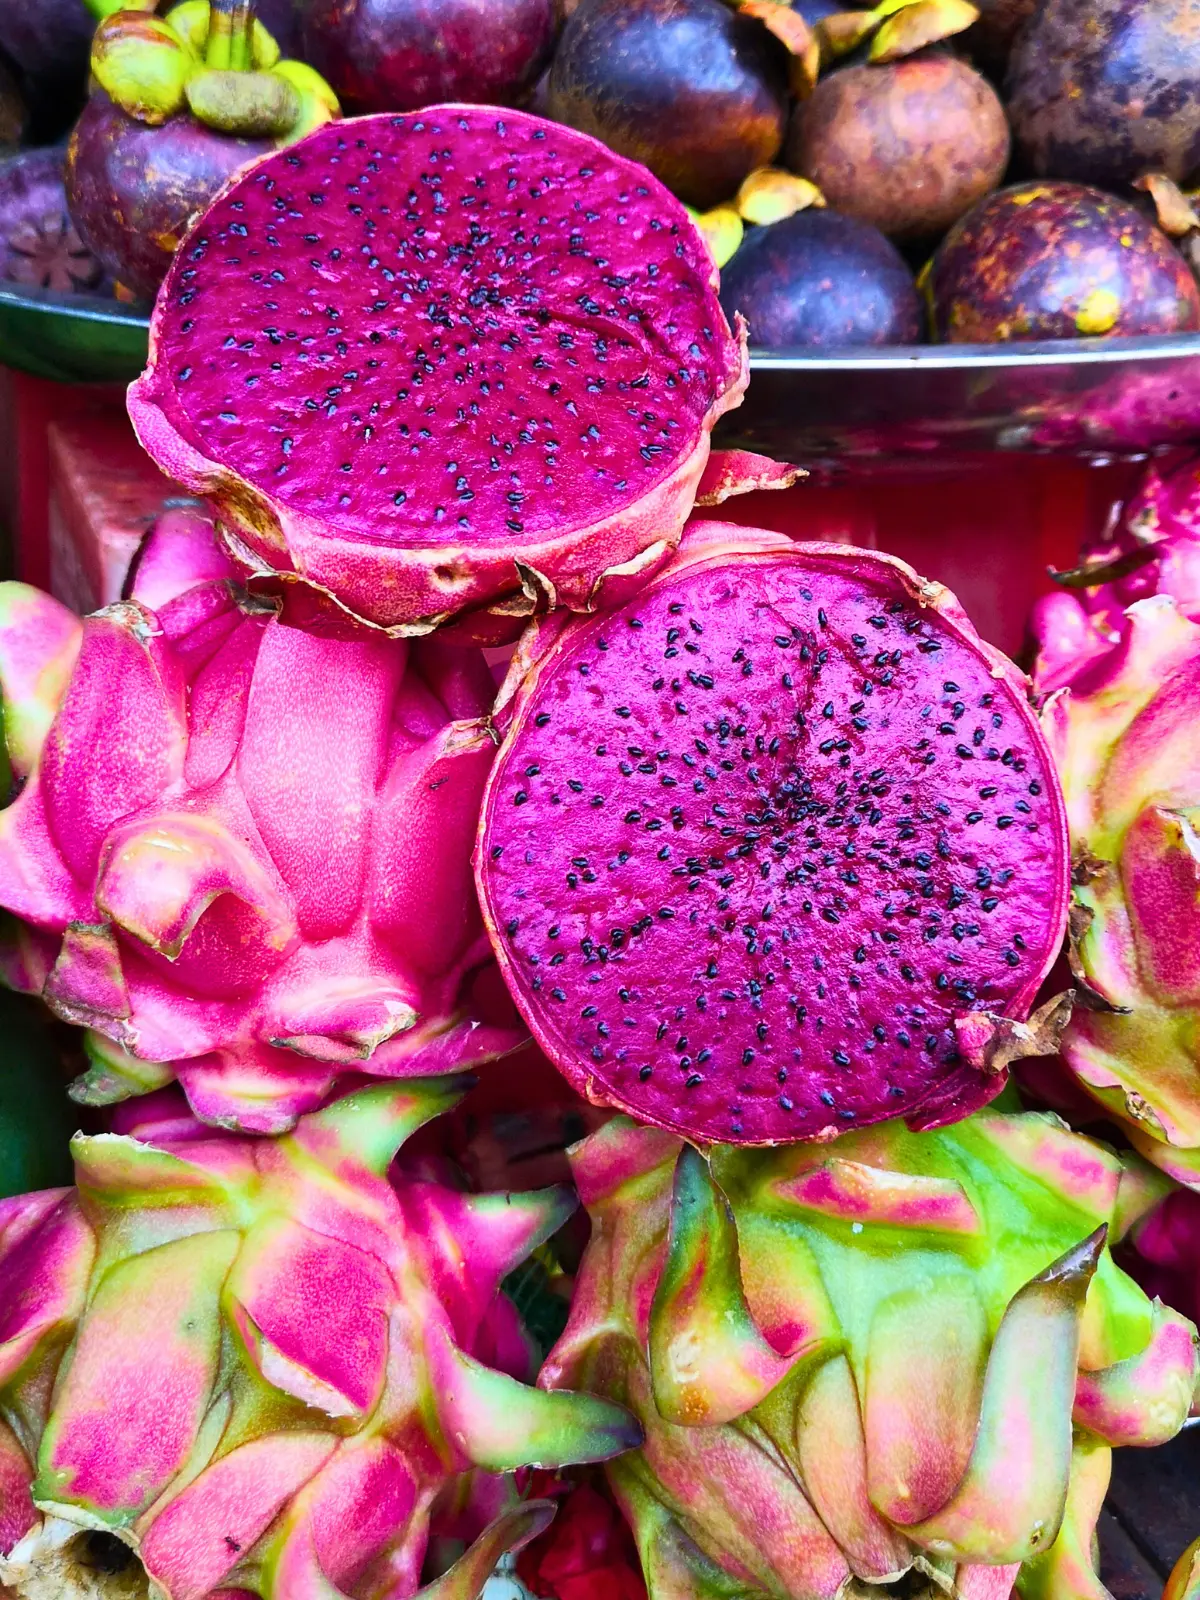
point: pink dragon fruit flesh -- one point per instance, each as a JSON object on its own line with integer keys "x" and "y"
{"x": 455, "y": 361}
{"x": 240, "y": 848}
{"x": 776, "y": 848}
{"x": 238, "y": 1367}
{"x": 896, "y": 1364}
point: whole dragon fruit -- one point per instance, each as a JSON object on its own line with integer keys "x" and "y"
{"x": 456, "y": 361}
{"x": 1125, "y": 654}
{"x": 238, "y": 1367}
{"x": 241, "y": 846}
{"x": 865, "y": 1360}
{"x": 776, "y": 847}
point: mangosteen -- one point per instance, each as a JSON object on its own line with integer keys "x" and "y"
{"x": 181, "y": 104}
{"x": 821, "y": 279}
{"x": 992, "y": 38}
{"x": 40, "y": 246}
{"x": 398, "y": 55}
{"x": 1105, "y": 91}
{"x": 908, "y": 147}
{"x": 47, "y": 44}
{"x": 1058, "y": 261}
{"x": 691, "y": 88}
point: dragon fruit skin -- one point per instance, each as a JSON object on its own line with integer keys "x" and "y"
{"x": 856, "y": 1360}
{"x": 1121, "y": 725}
{"x": 220, "y": 872}
{"x": 1155, "y": 549}
{"x": 404, "y": 416}
{"x": 262, "y": 1364}
{"x": 783, "y": 999}
{"x": 587, "y": 1553}
{"x": 1164, "y": 1251}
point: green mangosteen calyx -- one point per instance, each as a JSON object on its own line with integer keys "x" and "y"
{"x": 918, "y": 23}
{"x": 251, "y": 105}
{"x": 1177, "y": 212}
{"x": 895, "y": 28}
{"x": 142, "y": 64}
{"x": 214, "y": 59}
{"x": 105, "y": 8}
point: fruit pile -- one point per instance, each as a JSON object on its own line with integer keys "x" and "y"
{"x": 959, "y": 170}
{"x": 452, "y": 716}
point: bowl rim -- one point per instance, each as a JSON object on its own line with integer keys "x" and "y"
{"x": 979, "y": 358}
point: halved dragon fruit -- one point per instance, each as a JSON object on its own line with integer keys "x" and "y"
{"x": 776, "y": 848}
{"x": 241, "y": 838}
{"x": 455, "y": 361}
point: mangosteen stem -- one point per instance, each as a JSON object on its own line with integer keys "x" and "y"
{"x": 230, "y": 28}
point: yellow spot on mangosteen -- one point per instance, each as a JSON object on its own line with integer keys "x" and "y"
{"x": 1098, "y": 313}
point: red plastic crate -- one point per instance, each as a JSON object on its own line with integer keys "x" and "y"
{"x": 78, "y": 493}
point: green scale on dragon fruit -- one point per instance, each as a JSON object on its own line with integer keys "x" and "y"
{"x": 1120, "y": 655}
{"x": 457, "y": 364}
{"x": 776, "y": 848}
{"x": 892, "y": 1365}
{"x": 223, "y": 874}
{"x": 246, "y": 1367}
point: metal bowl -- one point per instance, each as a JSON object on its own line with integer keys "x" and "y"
{"x": 1081, "y": 396}
{"x": 72, "y": 338}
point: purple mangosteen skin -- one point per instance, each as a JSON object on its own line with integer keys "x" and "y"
{"x": 48, "y": 43}
{"x": 1102, "y": 91}
{"x": 399, "y": 55}
{"x": 134, "y": 190}
{"x": 281, "y": 19}
{"x": 47, "y": 39}
{"x": 690, "y": 88}
{"x": 37, "y": 246}
{"x": 990, "y": 41}
{"x": 1026, "y": 262}
{"x": 822, "y": 280}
